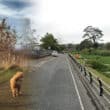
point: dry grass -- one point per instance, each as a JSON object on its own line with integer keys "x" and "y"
{"x": 9, "y": 60}
{"x": 10, "y": 63}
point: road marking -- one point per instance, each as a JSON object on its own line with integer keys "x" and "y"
{"x": 80, "y": 101}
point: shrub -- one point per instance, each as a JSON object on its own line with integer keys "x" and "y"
{"x": 15, "y": 67}
{"x": 101, "y": 52}
{"x": 85, "y": 51}
{"x": 98, "y": 65}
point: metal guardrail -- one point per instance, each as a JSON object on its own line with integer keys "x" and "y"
{"x": 92, "y": 79}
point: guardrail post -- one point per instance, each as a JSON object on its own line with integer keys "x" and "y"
{"x": 100, "y": 87}
{"x": 85, "y": 73}
{"x": 90, "y": 76}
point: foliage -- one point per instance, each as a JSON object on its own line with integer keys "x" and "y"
{"x": 96, "y": 52}
{"x": 61, "y": 47}
{"x": 71, "y": 47}
{"x": 99, "y": 63}
{"x": 5, "y": 75}
{"x": 99, "y": 66}
{"x": 86, "y": 51}
{"x": 11, "y": 60}
{"x": 101, "y": 52}
{"x": 29, "y": 40}
{"x": 8, "y": 55}
{"x": 107, "y": 45}
{"x": 94, "y": 34}
{"x": 7, "y": 36}
{"x": 49, "y": 42}
{"x": 85, "y": 44}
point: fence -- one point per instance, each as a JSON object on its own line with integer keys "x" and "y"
{"x": 92, "y": 79}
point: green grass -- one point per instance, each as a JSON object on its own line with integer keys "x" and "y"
{"x": 102, "y": 59}
{"x": 98, "y": 74}
{"x": 105, "y": 60}
{"x": 6, "y": 75}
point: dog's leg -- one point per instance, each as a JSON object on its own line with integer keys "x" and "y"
{"x": 14, "y": 92}
{"x": 18, "y": 90}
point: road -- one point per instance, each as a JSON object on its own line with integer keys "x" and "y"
{"x": 51, "y": 84}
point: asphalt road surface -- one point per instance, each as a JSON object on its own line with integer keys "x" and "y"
{"x": 51, "y": 84}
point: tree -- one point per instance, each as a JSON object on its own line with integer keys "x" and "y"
{"x": 62, "y": 47}
{"x": 85, "y": 44}
{"x": 7, "y": 36}
{"x": 107, "y": 46}
{"x": 8, "y": 40}
{"x": 30, "y": 41}
{"x": 94, "y": 34}
{"x": 49, "y": 42}
{"x": 70, "y": 47}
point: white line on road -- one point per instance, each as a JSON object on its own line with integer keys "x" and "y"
{"x": 82, "y": 107}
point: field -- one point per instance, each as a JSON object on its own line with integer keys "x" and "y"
{"x": 102, "y": 59}
{"x": 98, "y": 65}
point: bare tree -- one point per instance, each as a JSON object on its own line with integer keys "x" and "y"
{"x": 92, "y": 33}
{"x": 7, "y": 36}
{"x": 8, "y": 39}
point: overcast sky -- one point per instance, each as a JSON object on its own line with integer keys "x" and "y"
{"x": 66, "y": 19}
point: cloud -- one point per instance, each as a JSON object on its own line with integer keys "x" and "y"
{"x": 16, "y": 8}
{"x": 16, "y": 4}
{"x": 6, "y": 11}
{"x": 70, "y": 17}
{"x": 18, "y": 14}
{"x": 65, "y": 18}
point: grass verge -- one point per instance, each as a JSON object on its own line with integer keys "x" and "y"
{"x": 94, "y": 71}
{"x": 5, "y": 75}
{"x": 98, "y": 74}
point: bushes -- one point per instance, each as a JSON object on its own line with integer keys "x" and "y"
{"x": 105, "y": 53}
{"x": 92, "y": 51}
{"x": 101, "y": 52}
{"x": 85, "y": 51}
{"x": 99, "y": 67}
{"x": 97, "y": 59}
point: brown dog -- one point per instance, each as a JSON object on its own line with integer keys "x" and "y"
{"x": 15, "y": 83}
